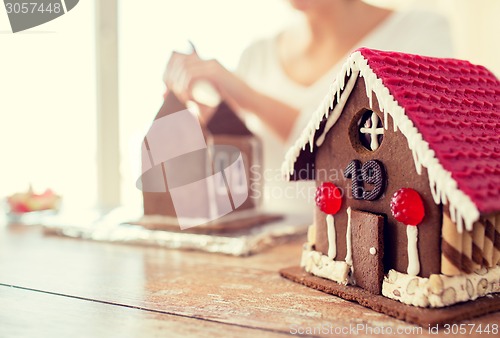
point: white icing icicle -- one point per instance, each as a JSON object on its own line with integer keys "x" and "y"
{"x": 332, "y": 241}
{"x": 334, "y": 116}
{"x": 413, "y": 262}
{"x": 348, "y": 255}
{"x": 418, "y": 166}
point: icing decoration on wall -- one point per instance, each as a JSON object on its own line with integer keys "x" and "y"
{"x": 348, "y": 240}
{"x": 413, "y": 261}
{"x": 371, "y": 172}
{"x": 371, "y": 130}
{"x": 332, "y": 244}
{"x": 408, "y": 208}
{"x": 329, "y": 201}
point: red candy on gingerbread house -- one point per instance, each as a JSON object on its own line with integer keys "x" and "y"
{"x": 413, "y": 145}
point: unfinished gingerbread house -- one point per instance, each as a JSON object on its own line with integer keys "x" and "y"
{"x": 405, "y": 152}
{"x": 200, "y": 175}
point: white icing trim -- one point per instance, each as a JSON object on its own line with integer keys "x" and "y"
{"x": 373, "y": 251}
{"x": 443, "y": 187}
{"x": 348, "y": 255}
{"x": 330, "y": 228}
{"x": 323, "y": 266}
{"x": 440, "y": 290}
{"x": 413, "y": 262}
{"x": 332, "y": 119}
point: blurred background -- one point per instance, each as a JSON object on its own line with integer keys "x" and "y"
{"x": 79, "y": 93}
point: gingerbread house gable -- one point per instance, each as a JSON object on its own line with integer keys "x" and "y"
{"x": 389, "y": 151}
{"x": 449, "y": 112}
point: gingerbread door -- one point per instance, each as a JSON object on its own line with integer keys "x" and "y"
{"x": 367, "y": 250}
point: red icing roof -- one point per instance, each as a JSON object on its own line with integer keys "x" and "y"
{"x": 455, "y": 106}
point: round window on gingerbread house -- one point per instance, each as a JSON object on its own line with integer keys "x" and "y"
{"x": 367, "y": 131}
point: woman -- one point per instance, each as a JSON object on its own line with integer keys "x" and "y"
{"x": 280, "y": 81}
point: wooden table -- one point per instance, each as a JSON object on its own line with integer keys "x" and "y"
{"x": 60, "y": 287}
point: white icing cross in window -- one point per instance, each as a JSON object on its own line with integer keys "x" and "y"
{"x": 373, "y": 131}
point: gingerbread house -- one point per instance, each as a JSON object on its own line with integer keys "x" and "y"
{"x": 213, "y": 177}
{"x": 405, "y": 152}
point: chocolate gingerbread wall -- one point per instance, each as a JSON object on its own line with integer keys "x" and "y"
{"x": 341, "y": 146}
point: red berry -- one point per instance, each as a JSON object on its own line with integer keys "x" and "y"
{"x": 328, "y": 198}
{"x": 407, "y": 206}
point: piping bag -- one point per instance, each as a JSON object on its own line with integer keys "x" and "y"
{"x": 203, "y": 92}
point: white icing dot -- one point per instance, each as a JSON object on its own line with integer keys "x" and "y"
{"x": 373, "y": 251}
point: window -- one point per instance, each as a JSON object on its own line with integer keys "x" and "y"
{"x": 370, "y": 130}
{"x": 47, "y": 109}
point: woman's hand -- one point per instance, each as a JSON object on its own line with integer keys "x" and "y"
{"x": 183, "y": 70}
{"x": 175, "y": 75}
